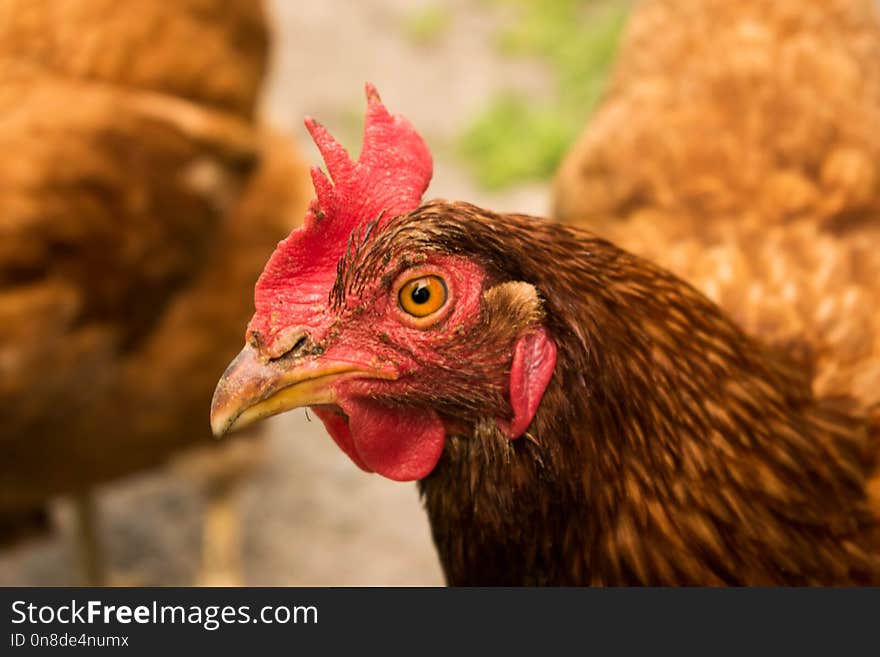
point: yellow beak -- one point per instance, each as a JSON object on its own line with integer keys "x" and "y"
{"x": 253, "y": 388}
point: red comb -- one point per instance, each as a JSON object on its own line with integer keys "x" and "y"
{"x": 388, "y": 179}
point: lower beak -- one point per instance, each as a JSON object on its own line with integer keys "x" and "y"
{"x": 252, "y": 389}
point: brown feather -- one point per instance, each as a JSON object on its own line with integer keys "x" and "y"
{"x": 670, "y": 448}
{"x": 738, "y": 148}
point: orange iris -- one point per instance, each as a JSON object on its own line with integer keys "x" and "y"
{"x": 422, "y": 296}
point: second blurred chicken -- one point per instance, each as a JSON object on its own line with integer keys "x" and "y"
{"x": 138, "y": 201}
{"x": 739, "y": 147}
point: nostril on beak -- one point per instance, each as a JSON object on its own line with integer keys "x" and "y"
{"x": 299, "y": 345}
{"x": 293, "y": 342}
{"x": 293, "y": 346}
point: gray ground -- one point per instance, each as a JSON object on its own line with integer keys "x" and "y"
{"x": 310, "y": 516}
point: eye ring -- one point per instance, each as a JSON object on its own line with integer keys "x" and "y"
{"x": 422, "y": 296}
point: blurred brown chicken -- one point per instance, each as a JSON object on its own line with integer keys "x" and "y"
{"x": 738, "y": 146}
{"x": 138, "y": 202}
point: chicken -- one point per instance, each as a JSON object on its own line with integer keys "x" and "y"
{"x": 139, "y": 202}
{"x": 573, "y": 413}
{"x": 738, "y": 147}
{"x": 142, "y": 45}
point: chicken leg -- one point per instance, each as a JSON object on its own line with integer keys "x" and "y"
{"x": 90, "y": 557}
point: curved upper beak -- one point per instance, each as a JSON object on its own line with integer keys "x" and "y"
{"x": 253, "y": 388}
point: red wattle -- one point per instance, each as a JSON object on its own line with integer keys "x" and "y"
{"x": 403, "y": 444}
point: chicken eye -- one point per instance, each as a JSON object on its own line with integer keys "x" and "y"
{"x": 422, "y": 296}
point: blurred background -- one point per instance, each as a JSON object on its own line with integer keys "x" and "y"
{"x": 154, "y": 154}
{"x": 498, "y": 88}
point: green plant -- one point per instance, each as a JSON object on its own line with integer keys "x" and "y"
{"x": 517, "y": 137}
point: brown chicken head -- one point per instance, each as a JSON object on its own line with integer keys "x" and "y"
{"x": 388, "y": 331}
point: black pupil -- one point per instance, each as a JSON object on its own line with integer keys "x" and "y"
{"x": 420, "y": 294}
